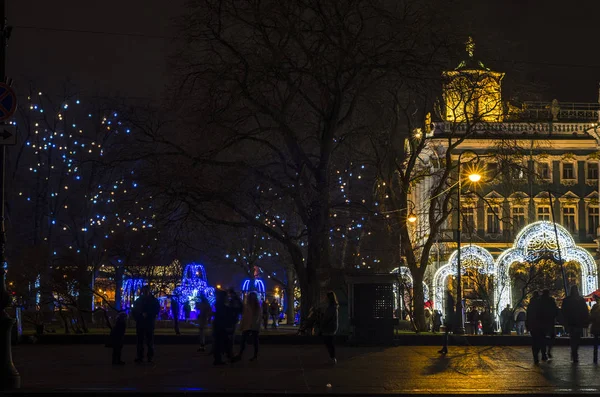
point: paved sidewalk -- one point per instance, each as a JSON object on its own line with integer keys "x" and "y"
{"x": 301, "y": 369}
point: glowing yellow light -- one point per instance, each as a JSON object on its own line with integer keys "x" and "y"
{"x": 218, "y": 286}
{"x": 412, "y": 218}
{"x": 475, "y": 177}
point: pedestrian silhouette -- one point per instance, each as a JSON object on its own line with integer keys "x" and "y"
{"x": 328, "y": 325}
{"x": 506, "y": 320}
{"x": 449, "y": 320}
{"x": 145, "y": 310}
{"x": 595, "y": 328}
{"x": 220, "y": 327}
{"x": 520, "y": 317}
{"x": 175, "y": 312}
{"x": 235, "y": 307}
{"x": 250, "y": 325}
{"x": 204, "y": 315}
{"x": 576, "y": 317}
{"x": 117, "y": 337}
{"x": 548, "y": 314}
{"x": 535, "y": 327}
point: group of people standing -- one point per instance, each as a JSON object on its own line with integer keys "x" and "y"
{"x": 540, "y": 319}
{"x": 229, "y": 310}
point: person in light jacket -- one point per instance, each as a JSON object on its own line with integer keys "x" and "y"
{"x": 329, "y": 325}
{"x": 250, "y": 325}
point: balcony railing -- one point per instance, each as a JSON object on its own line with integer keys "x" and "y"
{"x": 515, "y": 128}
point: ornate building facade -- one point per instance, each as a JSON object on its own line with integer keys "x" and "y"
{"x": 540, "y": 165}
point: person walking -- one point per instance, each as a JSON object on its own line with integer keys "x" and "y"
{"x": 535, "y": 328}
{"x": 204, "y": 315}
{"x": 520, "y": 317}
{"x": 220, "y": 327}
{"x": 235, "y": 309}
{"x": 145, "y": 310}
{"x": 274, "y": 312}
{"x": 437, "y": 320}
{"x": 187, "y": 310}
{"x": 250, "y": 325}
{"x": 265, "y": 314}
{"x": 175, "y": 312}
{"x": 548, "y": 313}
{"x": 506, "y": 320}
{"x": 448, "y": 321}
{"x": 329, "y": 325}
{"x": 595, "y": 328}
{"x": 576, "y": 317}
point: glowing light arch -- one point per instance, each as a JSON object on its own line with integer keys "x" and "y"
{"x": 404, "y": 272}
{"x": 535, "y": 241}
{"x": 471, "y": 257}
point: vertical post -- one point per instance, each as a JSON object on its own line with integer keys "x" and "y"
{"x": 9, "y": 377}
{"x": 560, "y": 261}
{"x": 460, "y": 321}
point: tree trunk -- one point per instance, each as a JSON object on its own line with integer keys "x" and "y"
{"x": 418, "y": 301}
{"x": 290, "y": 311}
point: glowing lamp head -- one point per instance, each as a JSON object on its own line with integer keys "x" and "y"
{"x": 474, "y": 177}
{"x": 218, "y": 286}
{"x": 412, "y": 218}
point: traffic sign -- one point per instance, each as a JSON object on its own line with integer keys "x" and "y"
{"x": 8, "y": 102}
{"x": 8, "y": 134}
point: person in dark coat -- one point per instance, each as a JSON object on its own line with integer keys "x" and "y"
{"x": 595, "y": 325}
{"x": 175, "y": 312}
{"x": 187, "y": 310}
{"x": 220, "y": 327}
{"x": 487, "y": 322}
{"x": 506, "y": 320}
{"x": 235, "y": 310}
{"x": 534, "y": 326}
{"x": 145, "y": 310}
{"x": 329, "y": 325}
{"x": 437, "y": 320}
{"x": 449, "y": 320}
{"x": 576, "y": 317}
{"x": 548, "y": 313}
{"x": 274, "y": 313}
{"x": 265, "y": 314}
{"x": 117, "y": 338}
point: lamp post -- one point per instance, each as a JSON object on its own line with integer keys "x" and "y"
{"x": 473, "y": 177}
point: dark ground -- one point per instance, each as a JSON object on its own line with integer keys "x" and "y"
{"x": 301, "y": 369}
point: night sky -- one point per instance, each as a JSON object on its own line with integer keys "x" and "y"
{"x": 109, "y": 63}
{"x": 547, "y": 46}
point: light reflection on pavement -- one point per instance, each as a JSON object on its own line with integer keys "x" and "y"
{"x": 301, "y": 369}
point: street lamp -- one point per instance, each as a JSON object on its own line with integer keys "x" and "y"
{"x": 473, "y": 177}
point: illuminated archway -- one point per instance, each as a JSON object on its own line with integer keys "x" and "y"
{"x": 404, "y": 272}
{"x": 537, "y": 241}
{"x": 471, "y": 257}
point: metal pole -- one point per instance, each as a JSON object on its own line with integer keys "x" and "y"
{"x": 460, "y": 321}
{"x": 560, "y": 261}
{"x": 9, "y": 376}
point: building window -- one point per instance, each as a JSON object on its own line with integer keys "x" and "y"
{"x": 593, "y": 218}
{"x": 592, "y": 171}
{"x": 543, "y": 171}
{"x": 543, "y": 213}
{"x": 518, "y": 217}
{"x": 568, "y": 220}
{"x": 568, "y": 171}
{"x": 492, "y": 219}
{"x": 468, "y": 219}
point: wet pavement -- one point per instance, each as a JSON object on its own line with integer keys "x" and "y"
{"x": 302, "y": 369}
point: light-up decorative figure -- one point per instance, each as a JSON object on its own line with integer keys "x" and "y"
{"x": 256, "y": 285}
{"x": 194, "y": 286}
{"x": 131, "y": 291}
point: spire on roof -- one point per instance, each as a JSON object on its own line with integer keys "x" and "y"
{"x": 470, "y": 46}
